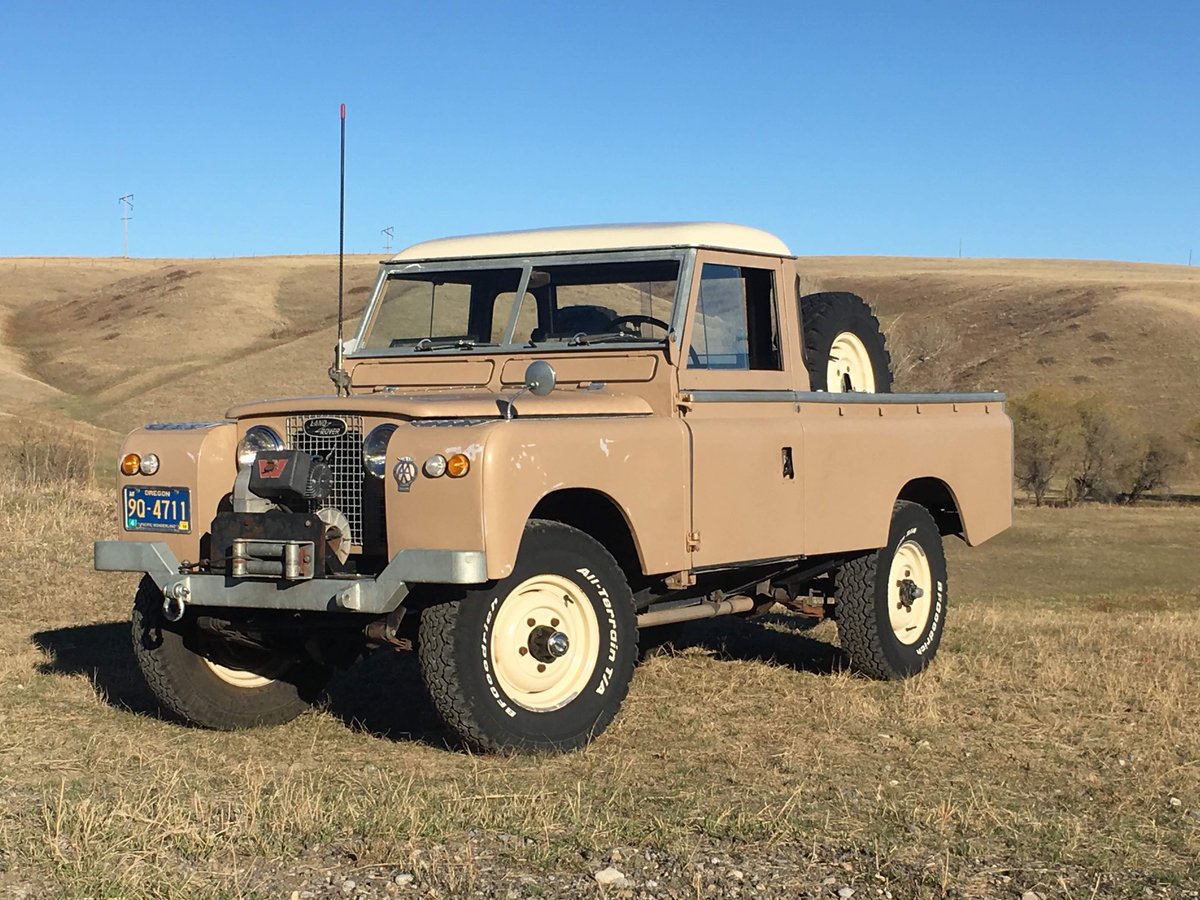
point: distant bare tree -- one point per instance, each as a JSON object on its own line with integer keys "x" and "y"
{"x": 1191, "y": 434}
{"x": 1150, "y": 466}
{"x": 1046, "y": 434}
{"x": 1102, "y": 452}
{"x": 918, "y": 353}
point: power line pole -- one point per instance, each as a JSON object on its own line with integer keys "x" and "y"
{"x": 387, "y": 236}
{"x": 126, "y": 208}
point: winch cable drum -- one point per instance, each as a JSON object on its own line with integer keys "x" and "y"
{"x": 337, "y": 531}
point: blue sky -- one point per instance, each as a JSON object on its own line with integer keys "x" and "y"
{"x": 1042, "y": 129}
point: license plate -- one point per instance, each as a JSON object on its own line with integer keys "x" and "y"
{"x": 158, "y": 509}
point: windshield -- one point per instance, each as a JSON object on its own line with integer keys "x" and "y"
{"x": 570, "y": 304}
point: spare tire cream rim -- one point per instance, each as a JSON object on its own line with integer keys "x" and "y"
{"x": 849, "y": 366}
{"x": 910, "y": 592}
{"x": 239, "y": 678}
{"x": 545, "y": 643}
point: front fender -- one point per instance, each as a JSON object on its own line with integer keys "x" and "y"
{"x": 201, "y": 457}
{"x": 639, "y": 462}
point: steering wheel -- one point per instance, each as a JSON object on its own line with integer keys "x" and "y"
{"x": 693, "y": 357}
{"x": 639, "y": 320}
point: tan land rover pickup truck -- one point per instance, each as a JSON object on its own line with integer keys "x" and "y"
{"x": 542, "y": 442}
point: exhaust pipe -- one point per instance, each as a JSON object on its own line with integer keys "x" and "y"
{"x": 705, "y": 609}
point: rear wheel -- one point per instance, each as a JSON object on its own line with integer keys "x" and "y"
{"x": 213, "y": 683}
{"x": 844, "y": 346}
{"x": 542, "y": 659}
{"x": 891, "y": 604}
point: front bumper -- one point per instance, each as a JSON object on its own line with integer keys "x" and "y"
{"x": 365, "y": 594}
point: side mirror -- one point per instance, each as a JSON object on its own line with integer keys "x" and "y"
{"x": 540, "y": 380}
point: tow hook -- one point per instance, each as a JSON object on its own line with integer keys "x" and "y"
{"x": 175, "y": 598}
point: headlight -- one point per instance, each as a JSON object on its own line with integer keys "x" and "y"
{"x": 257, "y": 439}
{"x": 374, "y": 452}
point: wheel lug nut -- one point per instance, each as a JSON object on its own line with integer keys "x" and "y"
{"x": 554, "y": 623}
{"x": 531, "y": 622}
{"x": 523, "y": 650}
{"x": 541, "y": 667}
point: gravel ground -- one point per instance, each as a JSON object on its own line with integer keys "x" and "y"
{"x": 488, "y": 867}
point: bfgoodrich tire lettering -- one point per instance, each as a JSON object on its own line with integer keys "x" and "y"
{"x": 179, "y": 669}
{"x": 488, "y": 659}
{"x": 891, "y": 604}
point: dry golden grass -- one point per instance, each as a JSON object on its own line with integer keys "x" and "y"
{"x": 1041, "y": 752}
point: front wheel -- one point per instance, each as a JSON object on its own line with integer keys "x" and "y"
{"x": 542, "y": 660}
{"x": 891, "y": 604}
{"x": 215, "y": 684}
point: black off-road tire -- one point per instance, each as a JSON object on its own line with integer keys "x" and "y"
{"x": 863, "y": 603}
{"x": 829, "y": 314}
{"x": 173, "y": 659}
{"x": 460, "y": 640}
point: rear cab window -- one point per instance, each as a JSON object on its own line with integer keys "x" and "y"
{"x": 735, "y": 335}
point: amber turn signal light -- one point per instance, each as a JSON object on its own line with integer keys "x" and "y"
{"x": 458, "y": 465}
{"x": 130, "y": 464}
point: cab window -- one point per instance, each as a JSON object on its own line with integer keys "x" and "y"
{"x": 736, "y": 324}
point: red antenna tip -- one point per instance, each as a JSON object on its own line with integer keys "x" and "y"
{"x": 343, "y": 110}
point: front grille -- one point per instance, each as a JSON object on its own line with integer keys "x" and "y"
{"x": 344, "y": 456}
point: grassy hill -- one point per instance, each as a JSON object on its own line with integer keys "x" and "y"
{"x": 1128, "y": 331}
{"x": 113, "y": 343}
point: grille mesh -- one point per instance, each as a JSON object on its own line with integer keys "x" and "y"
{"x": 344, "y": 456}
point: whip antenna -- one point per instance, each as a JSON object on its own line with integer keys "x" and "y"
{"x": 337, "y": 374}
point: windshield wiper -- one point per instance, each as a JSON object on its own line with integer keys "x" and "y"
{"x": 461, "y": 344}
{"x": 581, "y": 339}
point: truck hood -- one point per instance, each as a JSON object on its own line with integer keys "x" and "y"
{"x": 567, "y": 401}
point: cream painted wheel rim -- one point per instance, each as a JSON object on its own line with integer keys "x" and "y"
{"x": 239, "y": 678}
{"x": 545, "y": 609}
{"x": 908, "y": 615}
{"x": 849, "y": 361}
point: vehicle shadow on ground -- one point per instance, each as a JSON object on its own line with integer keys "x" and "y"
{"x": 103, "y": 654}
{"x": 778, "y": 639}
{"x": 381, "y": 695}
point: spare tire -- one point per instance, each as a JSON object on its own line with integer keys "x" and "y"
{"x": 844, "y": 347}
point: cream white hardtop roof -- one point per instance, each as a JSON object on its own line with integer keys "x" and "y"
{"x": 715, "y": 235}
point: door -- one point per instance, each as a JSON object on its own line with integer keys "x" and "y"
{"x": 737, "y": 394}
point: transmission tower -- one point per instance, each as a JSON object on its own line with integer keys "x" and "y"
{"x": 387, "y": 237}
{"x": 126, "y": 208}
